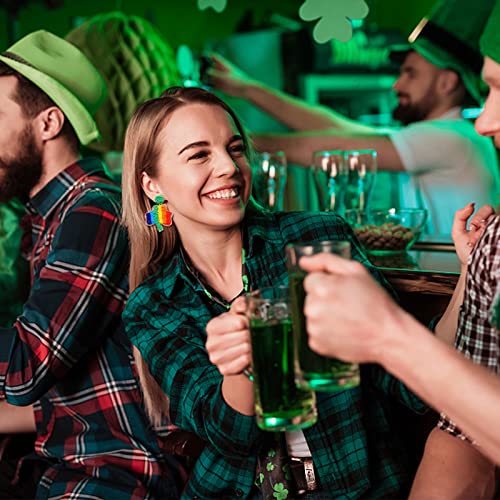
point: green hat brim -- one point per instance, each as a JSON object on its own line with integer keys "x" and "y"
{"x": 84, "y": 125}
{"x": 444, "y": 60}
{"x": 441, "y": 59}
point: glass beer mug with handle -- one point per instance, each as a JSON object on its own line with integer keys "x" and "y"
{"x": 329, "y": 170}
{"x": 279, "y": 404}
{"x": 269, "y": 180}
{"x": 312, "y": 371}
{"x": 361, "y": 170}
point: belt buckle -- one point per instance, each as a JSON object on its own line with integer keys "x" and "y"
{"x": 309, "y": 474}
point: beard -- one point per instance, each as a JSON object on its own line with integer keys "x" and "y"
{"x": 417, "y": 111}
{"x": 19, "y": 175}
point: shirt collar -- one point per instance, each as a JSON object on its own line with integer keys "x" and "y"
{"x": 259, "y": 230}
{"x": 454, "y": 113}
{"x": 57, "y": 189}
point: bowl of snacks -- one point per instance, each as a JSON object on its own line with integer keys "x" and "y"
{"x": 387, "y": 231}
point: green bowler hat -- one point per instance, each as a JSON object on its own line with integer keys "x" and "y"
{"x": 65, "y": 74}
{"x": 490, "y": 40}
{"x": 449, "y": 38}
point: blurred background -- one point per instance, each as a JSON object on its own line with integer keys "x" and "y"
{"x": 266, "y": 38}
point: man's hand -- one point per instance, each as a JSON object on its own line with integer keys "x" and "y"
{"x": 226, "y": 77}
{"x": 464, "y": 238}
{"x": 228, "y": 340}
{"x": 348, "y": 314}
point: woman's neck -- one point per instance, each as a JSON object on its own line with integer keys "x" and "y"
{"x": 218, "y": 258}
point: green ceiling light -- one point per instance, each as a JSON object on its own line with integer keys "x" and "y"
{"x": 217, "y": 5}
{"x": 335, "y": 17}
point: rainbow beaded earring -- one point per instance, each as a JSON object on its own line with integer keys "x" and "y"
{"x": 159, "y": 215}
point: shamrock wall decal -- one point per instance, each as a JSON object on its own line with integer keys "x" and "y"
{"x": 335, "y": 16}
{"x": 217, "y": 5}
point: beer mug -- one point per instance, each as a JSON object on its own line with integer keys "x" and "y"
{"x": 279, "y": 404}
{"x": 313, "y": 371}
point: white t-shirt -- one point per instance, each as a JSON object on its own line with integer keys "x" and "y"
{"x": 448, "y": 164}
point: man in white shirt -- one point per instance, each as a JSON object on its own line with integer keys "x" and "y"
{"x": 446, "y": 163}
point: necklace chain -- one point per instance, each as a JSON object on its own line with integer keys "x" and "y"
{"x": 212, "y": 297}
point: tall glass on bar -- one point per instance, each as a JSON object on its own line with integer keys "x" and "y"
{"x": 361, "y": 170}
{"x": 313, "y": 371}
{"x": 330, "y": 174}
{"x": 269, "y": 180}
{"x": 279, "y": 404}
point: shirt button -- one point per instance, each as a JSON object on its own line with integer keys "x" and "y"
{"x": 238, "y": 493}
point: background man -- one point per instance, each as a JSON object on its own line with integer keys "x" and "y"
{"x": 447, "y": 162}
{"x": 67, "y": 352}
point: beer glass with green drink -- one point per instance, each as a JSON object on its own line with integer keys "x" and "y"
{"x": 313, "y": 371}
{"x": 279, "y": 404}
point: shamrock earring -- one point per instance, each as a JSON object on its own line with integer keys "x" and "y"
{"x": 159, "y": 215}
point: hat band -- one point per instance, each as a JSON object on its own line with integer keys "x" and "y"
{"x": 452, "y": 45}
{"x": 19, "y": 59}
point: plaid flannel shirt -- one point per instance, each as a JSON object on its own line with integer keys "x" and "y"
{"x": 354, "y": 450}
{"x": 477, "y": 338}
{"x": 68, "y": 354}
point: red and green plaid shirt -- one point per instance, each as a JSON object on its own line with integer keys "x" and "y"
{"x": 67, "y": 353}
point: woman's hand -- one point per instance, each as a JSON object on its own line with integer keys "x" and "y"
{"x": 226, "y": 77}
{"x": 464, "y": 238}
{"x": 228, "y": 340}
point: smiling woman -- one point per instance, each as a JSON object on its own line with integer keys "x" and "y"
{"x": 186, "y": 317}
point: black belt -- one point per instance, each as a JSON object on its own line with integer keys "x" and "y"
{"x": 304, "y": 474}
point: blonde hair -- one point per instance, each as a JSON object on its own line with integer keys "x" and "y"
{"x": 149, "y": 249}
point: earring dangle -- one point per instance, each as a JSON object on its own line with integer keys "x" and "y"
{"x": 159, "y": 215}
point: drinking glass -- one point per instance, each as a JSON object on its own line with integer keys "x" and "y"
{"x": 279, "y": 404}
{"x": 329, "y": 169}
{"x": 361, "y": 170}
{"x": 313, "y": 371}
{"x": 269, "y": 180}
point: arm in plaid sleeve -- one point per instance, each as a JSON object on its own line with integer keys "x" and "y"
{"x": 80, "y": 285}
{"x": 477, "y": 338}
{"x": 175, "y": 353}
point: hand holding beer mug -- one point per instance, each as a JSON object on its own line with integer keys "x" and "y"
{"x": 313, "y": 371}
{"x": 279, "y": 404}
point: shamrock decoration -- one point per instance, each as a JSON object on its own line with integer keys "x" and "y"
{"x": 280, "y": 492}
{"x": 335, "y": 17}
{"x": 217, "y": 5}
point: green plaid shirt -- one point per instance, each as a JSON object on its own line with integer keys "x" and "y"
{"x": 354, "y": 449}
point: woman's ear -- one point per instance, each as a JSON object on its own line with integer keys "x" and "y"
{"x": 150, "y": 187}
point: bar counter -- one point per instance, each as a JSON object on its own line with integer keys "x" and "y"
{"x": 424, "y": 278}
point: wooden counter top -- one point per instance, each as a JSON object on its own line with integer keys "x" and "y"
{"x": 423, "y": 279}
{"x": 431, "y": 272}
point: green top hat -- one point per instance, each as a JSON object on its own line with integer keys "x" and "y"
{"x": 59, "y": 69}
{"x": 449, "y": 38}
{"x": 490, "y": 40}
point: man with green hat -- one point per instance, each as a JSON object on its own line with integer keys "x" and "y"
{"x": 449, "y": 451}
{"x": 444, "y": 164}
{"x": 67, "y": 353}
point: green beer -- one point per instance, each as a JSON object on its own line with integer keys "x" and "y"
{"x": 279, "y": 404}
{"x": 313, "y": 371}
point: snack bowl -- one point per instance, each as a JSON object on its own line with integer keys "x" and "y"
{"x": 387, "y": 231}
